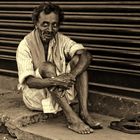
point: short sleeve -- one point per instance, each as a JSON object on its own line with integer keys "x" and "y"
{"x": 75, "y": 47}
{"x": 70, "y": 46}
{"x": 24, "y": 62}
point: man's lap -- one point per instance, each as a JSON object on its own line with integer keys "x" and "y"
{"x": 40, "y": 99}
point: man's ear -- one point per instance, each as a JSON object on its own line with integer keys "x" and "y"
{"x": 36, "y": 27}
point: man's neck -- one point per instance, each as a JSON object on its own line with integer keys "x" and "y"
{"x": 45, "y": 44}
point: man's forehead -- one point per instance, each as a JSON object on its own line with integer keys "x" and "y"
{"x": 48, "y": 16}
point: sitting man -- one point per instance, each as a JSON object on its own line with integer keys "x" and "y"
{"x": 52, "y": 70}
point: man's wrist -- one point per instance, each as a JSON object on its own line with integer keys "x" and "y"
{"x": 51, "y": 81}
{"x": 73, "y": 74}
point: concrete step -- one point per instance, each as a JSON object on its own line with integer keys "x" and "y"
{"x": 32, "y": 125}
{"x": 14, "y": 115}
{"x": 55, "y": 129}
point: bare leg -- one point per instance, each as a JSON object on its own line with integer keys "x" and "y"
{"x": 82, "y": 89}
{"x": 74, "y": 122}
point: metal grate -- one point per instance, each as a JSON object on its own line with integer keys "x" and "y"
{"x": 110, "y": 30}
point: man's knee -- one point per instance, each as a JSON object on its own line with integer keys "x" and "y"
{"x": 47, "y": 69}
{"x": 76, "y": 58}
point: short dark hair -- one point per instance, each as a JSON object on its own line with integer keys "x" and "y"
{"x": 47, "y": 8}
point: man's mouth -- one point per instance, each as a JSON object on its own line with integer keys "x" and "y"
{"x": 47, "y": 34}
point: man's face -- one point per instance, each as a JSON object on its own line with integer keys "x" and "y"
{"x": 47, "y": 26}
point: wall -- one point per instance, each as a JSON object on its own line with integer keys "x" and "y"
{"x": 109, "y": 29}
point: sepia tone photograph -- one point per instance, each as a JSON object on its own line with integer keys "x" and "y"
{"x": 70, "y": 70}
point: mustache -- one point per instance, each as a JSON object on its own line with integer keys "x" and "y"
{"x": 48, "y": 32}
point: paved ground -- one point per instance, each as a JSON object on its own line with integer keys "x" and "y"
{"x": 55, "y": 129}
{"x": 27, "y": 125}
{"x": 6, "y": 137}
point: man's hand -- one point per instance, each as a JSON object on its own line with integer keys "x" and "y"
{"x": 65, "y": 80}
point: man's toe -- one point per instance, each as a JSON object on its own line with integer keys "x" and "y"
{"x": 91, "y": 130}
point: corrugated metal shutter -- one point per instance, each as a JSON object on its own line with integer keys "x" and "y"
{"x": 110, "y": 30}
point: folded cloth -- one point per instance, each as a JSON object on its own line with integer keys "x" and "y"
{"x": 36, "y": 47}
{"x": 130, "y": 124}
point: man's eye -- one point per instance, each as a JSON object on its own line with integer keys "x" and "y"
{"x": 55, "y": 25}
{"x": 45, "y": 25}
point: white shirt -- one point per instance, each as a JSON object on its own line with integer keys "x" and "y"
{"x": 32, "y": 96}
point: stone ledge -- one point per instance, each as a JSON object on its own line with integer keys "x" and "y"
{"x": 22, "y": 123}
{"x": 14, "y": 114}
{"x": 8, "y": 82}
{"x": 56, "y": 129}
{"x": 112, "y": 105}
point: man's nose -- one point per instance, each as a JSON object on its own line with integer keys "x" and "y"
{"x": 50, "y": 28}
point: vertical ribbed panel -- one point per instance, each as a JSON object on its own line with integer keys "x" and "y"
{"x": 110, "y": 30}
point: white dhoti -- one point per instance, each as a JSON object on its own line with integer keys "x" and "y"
{"x": 41, "y": 99}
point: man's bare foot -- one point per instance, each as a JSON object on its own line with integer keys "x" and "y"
{"x": 90, "y": 121}
{"x": 80, "y": 128}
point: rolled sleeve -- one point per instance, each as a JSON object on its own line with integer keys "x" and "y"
{"x": 71, "y": 46}
{"x": 24, "y": 62}
{"x": 75, "y": 48}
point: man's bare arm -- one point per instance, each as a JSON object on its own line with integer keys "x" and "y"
{"x": 83, "y": 63}
{"x": 64, "y": 81}
{"x": 39, "y": 83}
